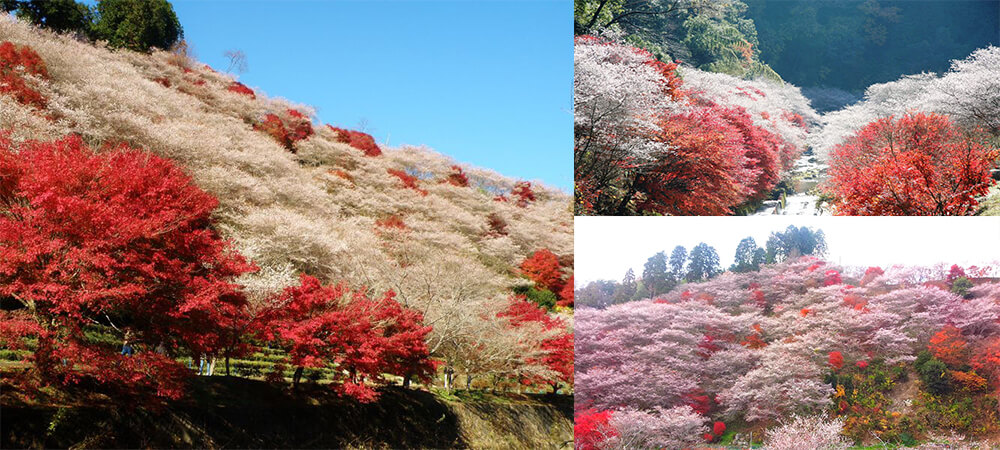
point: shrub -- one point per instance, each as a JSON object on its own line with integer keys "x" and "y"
{"x": 949, "y": 346}
{"x": 934, "y": 376}
{"x": 392, "y": 221}
{"x": 301, "y": 128}
{"x": 590, "y": 428}
{"x": 961, "y": 287}
{"x": 498, "y": 226}
{"x": 409, "y": 181}
{"x": 273, "y": 126}
{"x": 361, "y": 141}
{"x": 242, "y": 89}
{"x": 457, "y": 177}
{"x": 541, "y": 297}
{"x": 15, "y": 64}
{"x": 138, "y": 25}
{"x": 523, "y": 193}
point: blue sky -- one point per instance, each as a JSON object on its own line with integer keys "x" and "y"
{"x": 487, "y": 83}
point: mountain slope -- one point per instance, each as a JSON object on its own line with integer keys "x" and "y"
{"x": 323, "y": 208}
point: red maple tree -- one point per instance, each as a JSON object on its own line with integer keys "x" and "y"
{"x": 364, "y": 337}
{"x": 920, "y": 164}
{"x": 118, "y": 242}
{"x": 949, "y": 346}
{"x": 15, "y": 64}
{"x": 361, "y": 141}
{"x": 544, "y": 269}
{"x": 557, "y": 350}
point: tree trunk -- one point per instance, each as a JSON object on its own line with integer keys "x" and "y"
{"x": 406, "y": 381}
{"x": 227, "y": 365}
{"x": 468, "y": 381}
{"x": 297, "y": 377}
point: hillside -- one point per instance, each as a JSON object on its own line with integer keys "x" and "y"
{"x": 863, "y": 356}
{"x": 296, "y": 197}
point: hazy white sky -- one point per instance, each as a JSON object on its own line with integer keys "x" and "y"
{"x": 606, "y": 247}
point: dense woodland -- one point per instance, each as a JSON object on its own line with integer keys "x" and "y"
{"x": 718, "y": 131}
{"x": 159, "y": 219}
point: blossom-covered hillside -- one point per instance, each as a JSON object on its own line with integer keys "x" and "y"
{"x": 899, "y": 355}
{"x": 297, "y": 197}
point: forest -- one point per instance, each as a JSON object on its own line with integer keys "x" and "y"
{"x": 798, "y": 353}
{"x": 687, "y": 107}
{"x": 161, "y": 221}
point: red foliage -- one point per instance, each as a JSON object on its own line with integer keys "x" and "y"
{"x": 987, "y": 359}
{"x": 757, "y": 296}
{"x": 590, "y": 428}
{"x": 501, "y": 198}
{"x": 920, "y": 164}
{"x": 671, "y": 82}
{"x": 877, "y": 271}
{"x": 718, "y": 428}
{"x": 301, "y": 128}
{"x": 342, "y": 174}
{"x": 831, "y": 277}
{"x": 365, "y": 337}
{"x": 836, "y": 360}
{"x": 557, "y": 350}
{"x": 393, "y": 221}
{"x": 286, "y": 134}
{"x": 761, "y": 149}
{"x": 861, "y": 364}
{"x": 706, "y": 173}
{"x": 855, "y": 301}
{"x": 805, "y": 312}
{"x": 566, "y": 293}
{"x": 498, "y": 226}
{"x": 955, "y": 273}
{"x": 543, "y": 268}
{"x": 969, "y": 381}
{"x": 523, "y": 193}
{"x": 949, "y": 346}
{"x": 457, "y": 177}
{"x": 754, "y": 340}
{"x": 409, "y": 181}
{"x": 273, "y": 126}
{"x": 163, "y": 81}
{"x": 361, "y": 141}
{"x": 15, "y": 65}
{"x": 241, "y": 88}
{"x": 118, "y": 237}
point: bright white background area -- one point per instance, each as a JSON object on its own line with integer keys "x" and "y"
{"x": 606, "y": 247}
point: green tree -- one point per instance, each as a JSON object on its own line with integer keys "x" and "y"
{"x": 655, "y": 276}
{"x": 795, "y": 242}
{"x": 678, "y": 258}
{"x": 704, "y": 263}
{"x": 748, "y": 256}
{"x": 138, "y": 25}
{"x": 961, "y": 286}
{"x": 626, "y": 291}
{"x": 57, "y": 15}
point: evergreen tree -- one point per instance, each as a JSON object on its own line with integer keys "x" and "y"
{"x": 678, "y": 258}
{"x": 626, "y": 291}
{"x": 655, "y": 276}
{"x": 748, "y": 256}
{"x": 704, "y": 263}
